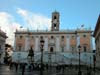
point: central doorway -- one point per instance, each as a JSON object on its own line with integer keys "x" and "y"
{"x": 51, "y": 49}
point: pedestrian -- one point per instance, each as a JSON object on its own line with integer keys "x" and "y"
{"x": 11, "y": 65}
{"x": 47, "y": 66}
{"x": 23, "y": 68}
{"x": 63, "y": 68}
{"x": 30, "y": 67}
{"x": 16, "y": 66}
{"x": 32, "y": 64}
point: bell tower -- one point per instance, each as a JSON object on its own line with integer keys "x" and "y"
{"x": 55, "y": 21}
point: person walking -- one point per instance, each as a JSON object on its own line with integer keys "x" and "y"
{"x": 16, "y": 66}
{"x": 23, "y": 68}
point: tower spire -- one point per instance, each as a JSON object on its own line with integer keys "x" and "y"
{"x": 55, "y": 21}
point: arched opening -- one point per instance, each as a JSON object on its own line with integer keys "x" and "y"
{"x": 85, "y": 48}
{"x": 51, "y": 49}
{"x": 19, "y": 47}
{"x": 55, "y": 17}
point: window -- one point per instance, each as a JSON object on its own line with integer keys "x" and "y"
{"x": 51, "y": 49}
{"x": 55, "y": 17}
{"x": 54, "y": 25}
{"x": 98, "y": 52}
{"x": 62, "y": 37}
{"x": 84, "y": 36}
{"x": 19, "y": 48}
{"x": 0, "y": 47}
{"x": 52, "y": 37}
{"x": 41, "y": 37}
{"x": 84, "y": 48}
{"x": 21, "y": 36}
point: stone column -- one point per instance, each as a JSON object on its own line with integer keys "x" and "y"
{"x": 27, "y": 43}
{"x": 37, "y": 43}
{"x": 46, "y": 43}
{"x": 57, "y": 43}
{"x": 67, "y": 43}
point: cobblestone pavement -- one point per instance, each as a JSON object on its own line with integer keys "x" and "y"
{"x": 4, "y": 70}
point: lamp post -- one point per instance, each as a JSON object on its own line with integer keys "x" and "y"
{"x": 41, "y": 48}
{"x": 79, "y": 72}
{"x": 90, "y": 67}
{"x": 86, "y": 62}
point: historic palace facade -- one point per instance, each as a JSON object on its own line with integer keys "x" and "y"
{"x": 54, "y": 40}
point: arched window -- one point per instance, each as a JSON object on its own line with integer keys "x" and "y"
{"x": 62, "y": 38}
{"x": 0, "y": 47}
{"x": 20, "y": 47}
{"x": 54, "y": 25}
{"x": 52, "y": 37}
{"x": 21, "y": 36}
{"x": 85, "y": 48}
{"x": 84, "y": 35}
{"x": 41, "y": 37}
{"x": 55, "y": 17}
{"x": 51, "y": 49}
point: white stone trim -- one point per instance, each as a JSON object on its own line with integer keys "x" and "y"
{"x": 67, "y": 43}
{"x": 78, "y": 42}
{"x": 57, "y": 43}
{"x": 26, "y": 43}
{"x": 46, "y": 44}
{"x": 36, "y": 43}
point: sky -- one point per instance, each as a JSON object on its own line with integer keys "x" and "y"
{"x": 36, "y": 14}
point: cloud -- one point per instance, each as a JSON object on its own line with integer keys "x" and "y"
{"x": 8, "y": 25}
{"x": 34, "y": 20}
